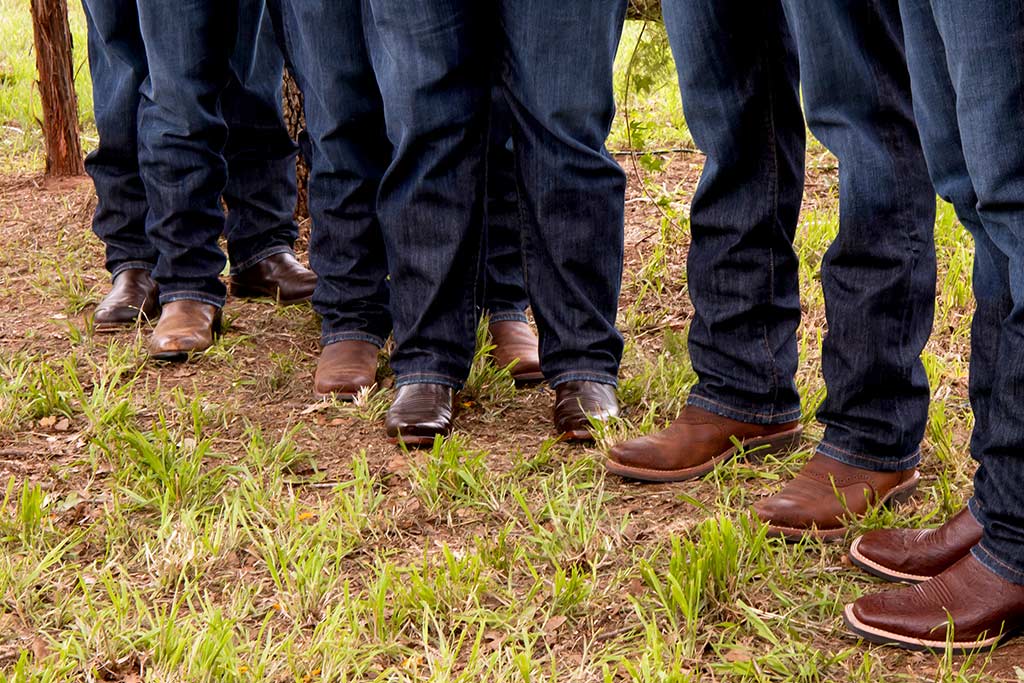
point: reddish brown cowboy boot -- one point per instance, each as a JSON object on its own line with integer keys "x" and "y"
{"x": 826, "y": 495}
{"x": 696, "y": 443}
{"x": 915, "y": 555}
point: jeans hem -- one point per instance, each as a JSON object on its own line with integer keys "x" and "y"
{"x": 508, "y": 316}
{"x": 190, "y": 295}
{"x": 428, "y": 378}
{"x": 997, "y": 566}
{"x": 581, "y": 376}
{"x": 261, "y": 256}
{"x": 131, "y": 265}
{"x": 335, "y": 337}
{"x": 872, "y": 463}
{"x": 975, "y": 509}
{"x": 751, "y": 416}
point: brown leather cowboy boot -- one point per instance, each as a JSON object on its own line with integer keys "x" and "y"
{"x": 134, "y": 296}
{"x": 419, "y": 413}
{"x": 974, "y": 606}
{"x": 823, "y": 497}
{"x": 577, "y": 403}
{"x": 185, "y": 327}
{"x": 515, "y": 342}
{"x": 345, "y": 368}
{"x": 696, "y": 443}
{"x": 279, "y": 277}
{"x": 915, "y": 555}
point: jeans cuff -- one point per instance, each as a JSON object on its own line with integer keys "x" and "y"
{"x": 582, "y": 376}
{"x": 975, "y": 508}
{"x": 771, "y": 416}
{"x": 996, "y": 565}
{"x": 871, "y": 463}
{"x": 189, "y": 295}
{"x": 335, "y": 337}
{"x": 507, "y": 316}
{"x": 428, "y": 378}
{"x": 265, "y": 254}
{"x": 131, "y": 265}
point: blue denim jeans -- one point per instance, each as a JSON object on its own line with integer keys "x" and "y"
{"x": 740, "y": 77}
{"x": 260, "y": 192}
{"x": 967, "y": 67}
{"x": 348, "y": 153}
{"x": 504, "y": 296}
{"x": 197, "y": 53}
{"x": 435, "y": 69}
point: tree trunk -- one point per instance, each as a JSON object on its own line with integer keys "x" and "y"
{"x": 296, "y": 120}
{"x": 57, "y": 87}
{"x": 647, "y": 10}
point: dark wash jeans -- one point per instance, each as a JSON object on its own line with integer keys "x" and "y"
{"x": 435, "y": 69}
{"x": 198, "y": 142}
{"x": 260, "y": 191}
{"x": 967, "y": 64}
{"x": 740, "y": 66}
{"x": 348, "y": 153}
{"x": 504, "y": 296}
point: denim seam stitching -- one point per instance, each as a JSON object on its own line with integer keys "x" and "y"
{"x": 769, "y": 414}
{"x": 261, "y": 256}
{"x": 336, "y": 337}
{"x": 988, "y": 555}
{"x": 823, "y": 448}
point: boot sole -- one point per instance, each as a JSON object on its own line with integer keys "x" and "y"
{"x": 242, "y": 292}
{"x": 871, "y": 567}
{"x": 900, "y": 494}
{"x": 882, "y": 637}
{"x": 338, "y": 395}
{"x": 414, "y": 441}
{"x": 528, "y": 379}
{"x": 775, "y": 444}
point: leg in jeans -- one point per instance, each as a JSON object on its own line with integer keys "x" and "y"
{"x": 349, "y": 154}
{"x": 431, "y": 63}
{"x": 738, "y": 75}
{"x": 436, "y": 80}
{"x": 981, "y": 595}
{"x": 117, "y": 63}
{"x": 182, "y": 135}
{"x": 986, "y": 66}
{"x": 739, "y": 81}
{"x": 557, "y": 77}
{"x": 879, "y": 273}
{"x": 505, "y": 297}
{"x": 260, "y": 192}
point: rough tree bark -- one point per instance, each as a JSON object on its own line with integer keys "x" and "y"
{"x": 296, "y": 120}
{"x": 648, "y": 10}
{"x": 57, "y": 87}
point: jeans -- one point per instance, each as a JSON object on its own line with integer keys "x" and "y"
{"x": 504, "y": 297}
{"x": 349, "y": 152}
{"x": 260, "y": 192}
{"x": 740, "y": 83}
{"x": 967, "y": 68}
{"x": 198, "y": 53}
{"x": 435, "y": 72}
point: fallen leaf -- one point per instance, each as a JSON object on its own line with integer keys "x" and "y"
{"x": 397, "y": 465}
{"x": 40, "y": 650}
{"x": 553, "y": 624}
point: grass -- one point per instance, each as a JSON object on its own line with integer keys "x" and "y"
{"x": 212, "y": 522}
